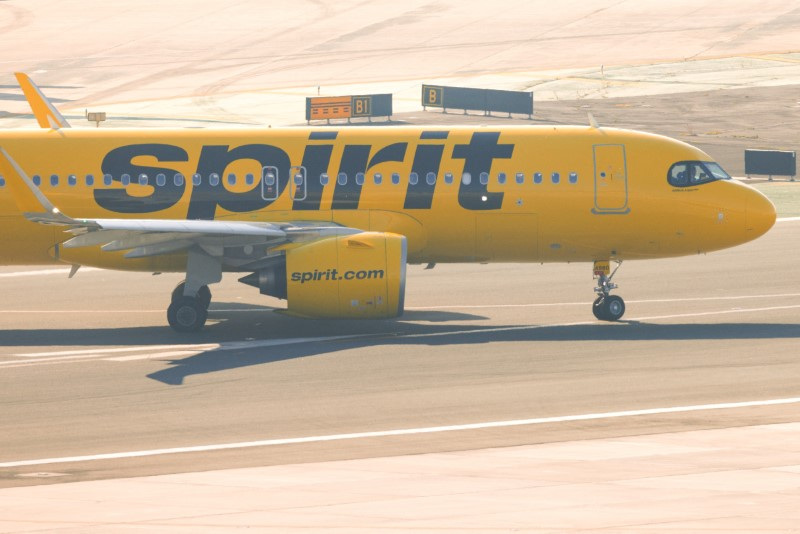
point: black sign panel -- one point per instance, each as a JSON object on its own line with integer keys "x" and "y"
{"x": 487, "y": 100}
{"x": 770, "y": 162}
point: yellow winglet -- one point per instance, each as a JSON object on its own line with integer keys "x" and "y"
{"x": 44, "y": 110}
{"x": 30, "y": 200}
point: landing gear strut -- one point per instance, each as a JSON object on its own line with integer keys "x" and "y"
{"x": 607, "y": 307}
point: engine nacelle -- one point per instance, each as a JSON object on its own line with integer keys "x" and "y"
{"x": 355, "y": 276}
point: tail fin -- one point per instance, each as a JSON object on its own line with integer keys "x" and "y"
{"x": 44, "y": 111}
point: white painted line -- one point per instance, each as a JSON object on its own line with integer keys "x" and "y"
{"x": 787, "y": 219}
{"x": 648, "y": 301}
{"x": 75, "y": 312}
{"x": 153, "y": 356}
{"x": 45, "y": 272}
{"x": 402, "y": 432}
{"x": 77, "y": 356}
{"x": 722, "y": 312}
{"x": 212, "y": 311}
{"x": 138, "y": 348}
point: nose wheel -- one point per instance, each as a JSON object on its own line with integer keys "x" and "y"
{"x": 610, "y": 308}
{"x": 607, "y": 307}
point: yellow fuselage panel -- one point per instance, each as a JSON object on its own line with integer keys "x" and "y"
{"x": 548, "y": 193}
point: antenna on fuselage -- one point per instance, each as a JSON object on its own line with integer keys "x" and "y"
{"x": 592, "y": 121}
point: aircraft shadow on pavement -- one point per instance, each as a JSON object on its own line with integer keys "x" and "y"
{"x": 409, "y": 334}
{"x": 235, "y": 322}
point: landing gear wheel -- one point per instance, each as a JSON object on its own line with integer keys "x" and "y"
{"x": 610, "y": 308}
{"x": 203, "y": 294}
{"x": 598, "y": 309}
{"x": 186, "y": 314}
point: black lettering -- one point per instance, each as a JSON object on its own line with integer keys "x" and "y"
{"x": 354, "y": 160}
{"x": 427, "y": 158}
{"x": 119, "y": 161}
{"x": 478, "y": 156}
{"x": 315, "y": 160}
{"x": 215, "y": 159}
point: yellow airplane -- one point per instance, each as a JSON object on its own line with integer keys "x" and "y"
{"x": 328, "y": 217}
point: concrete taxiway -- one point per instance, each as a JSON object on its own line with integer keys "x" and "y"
{"x": 497, "y": 402}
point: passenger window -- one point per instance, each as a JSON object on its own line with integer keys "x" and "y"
{"x": 484, "y": 178}
{"x": 430, "y": 178}
{"x": 249, "y": 178}
{"x": 342, "y": 178}
{"x": 53, "y": 179}
{"x": 178, "y": 179}
{"x": 196, "y": 179}
{"x": 72, "y": 180}
{"x": 324, "y": 178}
{"x": 537, "y": 177}
{"x": 377, "y": 178}
{"x": 231, "y": 179}
{"x": 213, "y": 179}
{"x": 89, "y": 180}
{"x": 501, "y": 178}
{"x": 37, "y": 180}
{"x": 413, "y": 178}
{"x": 466, "y": 178}
{"x": 448, "y": 178}
{"x": 269, "y": 179}
{"x": 108, "y": 179}
{"x": 573, "y": 177}
{"x": 161, "y": 179}
{"x": 359, "y": 178}
{"x": 142, "y": 179}
{"x": 555, "y": 177}
{"x": 395, "y": 178}
{"x": 520, "y": 178}
{"x": 2, "y": 181}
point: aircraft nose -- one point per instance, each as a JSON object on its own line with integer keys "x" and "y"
{"x": 760, "y": 214}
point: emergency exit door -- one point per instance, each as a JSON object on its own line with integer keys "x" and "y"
{"x": 610, "y": 180}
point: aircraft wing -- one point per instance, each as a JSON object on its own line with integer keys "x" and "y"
{"x": 152, "y": 237}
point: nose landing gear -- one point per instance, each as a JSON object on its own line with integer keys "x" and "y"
{"x": 607, "y": 307}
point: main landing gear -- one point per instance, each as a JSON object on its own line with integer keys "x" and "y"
{"x": 607, "y": 307}
{"x": 188, "y": 314}
{"x": 188, "y": 310}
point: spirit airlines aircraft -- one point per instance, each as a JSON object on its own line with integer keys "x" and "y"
{"x": 328, "y": 217}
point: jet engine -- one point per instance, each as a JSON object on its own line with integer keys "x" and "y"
{"x": 344, "y": 277}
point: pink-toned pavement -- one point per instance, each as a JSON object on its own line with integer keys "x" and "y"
{"x": 739, "y": 480}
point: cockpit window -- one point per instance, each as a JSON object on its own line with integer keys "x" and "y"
{"x": 717, "y": 171}
{"x": 691, "y": 173}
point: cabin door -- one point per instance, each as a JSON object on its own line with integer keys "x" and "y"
{"x": 610, "y": 180}
{"x": 270, "y": 184}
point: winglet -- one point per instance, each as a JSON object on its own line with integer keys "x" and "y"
{"x": 44, "y": 110}
{"x": 30, "y": 200}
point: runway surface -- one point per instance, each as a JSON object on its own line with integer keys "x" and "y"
{"x": 497, "y": 380}
{"x": 90, "y": 368}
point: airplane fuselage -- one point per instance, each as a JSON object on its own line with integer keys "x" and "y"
{"x": 459, "y": 194}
